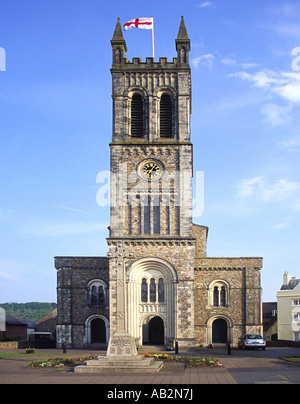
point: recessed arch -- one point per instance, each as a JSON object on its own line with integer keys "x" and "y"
{"x": 151, "y": 293}
{"x": 165, "y": 89}
{"x": 94, "y": 325}
{"x": 216, "y": 329}
{"x": 145, "y": 264}
{"x": 136, "y": 100}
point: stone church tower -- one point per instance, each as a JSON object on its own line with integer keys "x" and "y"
{"x": 156, "y": 284}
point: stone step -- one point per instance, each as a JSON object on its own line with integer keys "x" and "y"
{"x": 143, "y": 366}
{"x": 123, "y": 362}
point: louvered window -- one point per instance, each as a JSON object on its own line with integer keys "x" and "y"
{"x": 166, "y": 116}
{"x": 137, "y": 116}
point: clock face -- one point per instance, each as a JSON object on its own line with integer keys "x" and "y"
{"x": 151, "y": 170}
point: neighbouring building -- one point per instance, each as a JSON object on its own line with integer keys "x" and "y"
{"x": 47, "y": 322}
{"x": 14, "y": 329}
{"x": 270, "y": 321}
{"x": 156, "y": 283}
{"x": 288, "y": 309}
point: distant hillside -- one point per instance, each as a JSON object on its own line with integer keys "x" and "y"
{"x": 28, "y": 311}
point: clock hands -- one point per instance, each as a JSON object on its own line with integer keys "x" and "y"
{"x": 151, "y": 170}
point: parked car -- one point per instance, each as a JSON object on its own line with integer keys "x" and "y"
{"x": 252, "y": 341}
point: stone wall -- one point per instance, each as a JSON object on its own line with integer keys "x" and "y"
{"x": 73, "y": 276}
{"x": 177, "y": 253}
{"x": 243, "y": 309}
{"x": 8, "y": 345}
{"x": 200, "y": 234}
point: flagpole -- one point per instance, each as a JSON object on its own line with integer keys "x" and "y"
{"x": 153, "y": 38}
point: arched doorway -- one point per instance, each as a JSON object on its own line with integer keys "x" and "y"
{"x": 98, "y": 331}
{"x": 219, "y": 331}
{"x": 151, "y": 294}
{"x": 156, "y": 331}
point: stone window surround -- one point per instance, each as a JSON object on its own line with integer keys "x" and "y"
{"x": 218, "y": 283}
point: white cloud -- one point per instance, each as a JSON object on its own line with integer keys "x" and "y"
{"x": 246, "y": 187}
{"x": 205, "y": 4}
{"x": 291, "y": 145}
{"x": 262, "y": 79}
{"x": 249, "y": 65}
{"x": 284, "y": 84}
{"x": 228, "y": 61}
{"x": 280, "y": 87}
{"x": 279, "y": 226}
{"x": 276, "y": 115}
{"x": 282, "y": 191}
{"x": 290, "y": 89}
{"x": 204, "y": 60}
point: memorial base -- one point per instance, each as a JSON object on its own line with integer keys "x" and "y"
{"x": 121, "y": 344}
{"x": 121, "y": 357}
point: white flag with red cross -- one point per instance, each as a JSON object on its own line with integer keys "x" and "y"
{"x": 144, "y": 23}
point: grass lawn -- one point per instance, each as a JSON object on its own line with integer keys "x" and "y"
{"x": 293, "y": 359}
{"x": 21, "y": 354}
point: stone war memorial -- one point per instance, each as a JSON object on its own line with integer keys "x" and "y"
{"x": 156, "y": 286}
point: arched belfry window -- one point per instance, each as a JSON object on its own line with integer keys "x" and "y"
{"x": 137, "y": 116}
{"x": 97, "y": 294}
{"x": 166, "y": 116}
{"x": 219, "y": 294}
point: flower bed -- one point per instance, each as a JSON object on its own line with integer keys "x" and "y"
{"x": 189, "y": 361}
{"x": 58, "y": 362}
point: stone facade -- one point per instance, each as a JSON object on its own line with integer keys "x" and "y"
{"x": 156, "y": 284}
{"x": 241, "y": 309}
{"x": 75, "y": 309}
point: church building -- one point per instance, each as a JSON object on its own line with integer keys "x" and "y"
{"x": 156, "y": 283}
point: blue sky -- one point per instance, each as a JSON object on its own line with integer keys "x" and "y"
{"x": 55, "y": 127}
